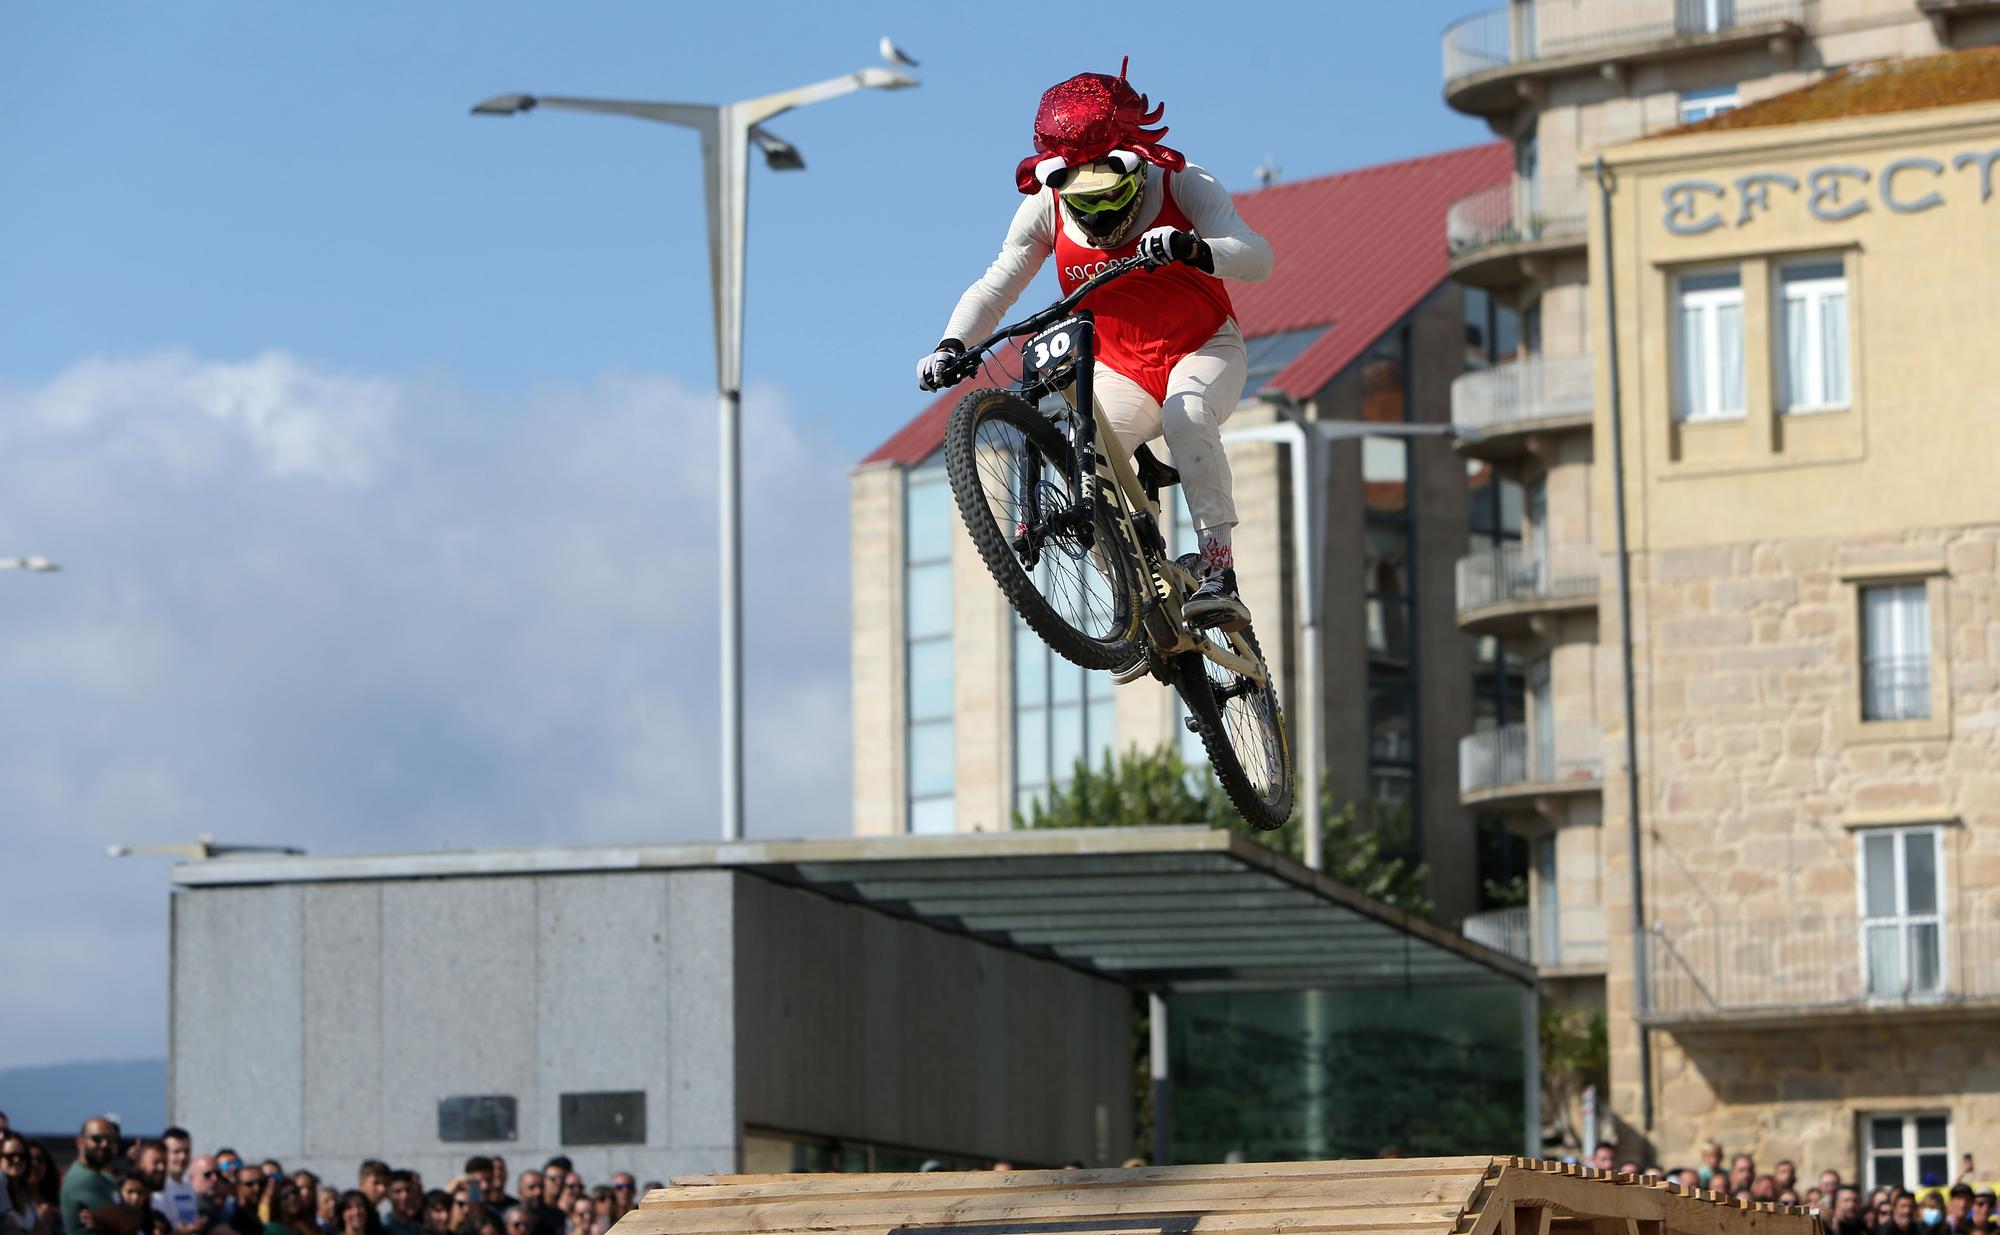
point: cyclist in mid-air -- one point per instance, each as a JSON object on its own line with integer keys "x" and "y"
{"x": 1170, "y": 359}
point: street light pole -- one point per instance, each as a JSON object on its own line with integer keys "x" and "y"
{"x": 727, "y": 130}
{"x": 1307, "y": 439}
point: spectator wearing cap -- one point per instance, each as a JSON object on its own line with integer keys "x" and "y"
{"x": 88, "y": 1183}
{"x": 1958, "y": 1210}
{"x": 1983, "y": 1209}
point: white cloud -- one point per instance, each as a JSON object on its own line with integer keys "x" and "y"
{"x": 358, "y": 613}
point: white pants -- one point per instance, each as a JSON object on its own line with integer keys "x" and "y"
{"x": 1201, "y": 393}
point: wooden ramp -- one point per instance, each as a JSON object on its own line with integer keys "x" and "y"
{"x": 1443, "y": 1196}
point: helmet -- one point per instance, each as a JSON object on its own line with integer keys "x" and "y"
{"x": 1089, "y": 119}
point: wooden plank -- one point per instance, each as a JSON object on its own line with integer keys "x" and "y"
{"x": 725, "y": 1191}
{"x": 1036, "y": 1208}
{"x": 943, "y": 1208}
{"x": 1197, "y": 1224}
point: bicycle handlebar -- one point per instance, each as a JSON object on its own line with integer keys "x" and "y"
{"x": 964, "y": 365}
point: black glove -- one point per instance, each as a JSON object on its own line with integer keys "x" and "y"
{"x": 934, "y": 370}
{"x": 1163, "y": 245}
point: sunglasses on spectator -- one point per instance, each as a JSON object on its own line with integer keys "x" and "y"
{"x": 13, "y": 1157}
{"x": 97, "y": 1137}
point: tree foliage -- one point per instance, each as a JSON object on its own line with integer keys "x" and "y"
{"x": 1576, "y": 1053}
{"x": 1371, "y": 856}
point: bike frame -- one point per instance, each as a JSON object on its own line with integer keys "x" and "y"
{"x": 1138, "y": 513}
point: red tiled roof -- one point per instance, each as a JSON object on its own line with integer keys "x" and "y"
{"x": 1357, "y": 250}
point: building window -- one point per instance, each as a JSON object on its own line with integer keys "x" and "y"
{"x": 1063, "y": 716}
{"x": 1812, "y": 336}
{"x": 930, "y": 751}
{"x": 1265, "y": 355}
{"x": 1389, "y": 549}
{"x": 1904, "y": 1149}
{"x": 1706, "y": 102}
{"x": 1902, "y": 912}
{"x": 1708, "y": 346}
{"x": 1895, "y": 652}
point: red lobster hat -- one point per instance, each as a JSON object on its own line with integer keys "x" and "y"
{"x": 1085, "y": 119}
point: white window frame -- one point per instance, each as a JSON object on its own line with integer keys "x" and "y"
{"x": 1922, "y": 652}
{"x": 1708, "y": 101}
{"x": 1902, "y": 918}
{"x": 1710, "y": 301}
{"x": 1911, "y": 1176}
{"x": 1814, "y": 293}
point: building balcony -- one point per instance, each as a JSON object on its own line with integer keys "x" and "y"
{"x": 1784, "y": 971}
{"x": 1506, "y": 405}
{"x": 1504, "y": 768}
{"x": 1504, "y": 234}
{"x": 1572, "y": 946}
{"x": 1502, "y": 591}
{"x": 1495, "y": 60}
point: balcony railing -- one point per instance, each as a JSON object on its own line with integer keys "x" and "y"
{"x": 1536, "y": 939}
{"x": 1776, "y": 966}
{"x": 1524, "y": 209}
{"x": 1537, "y": 388}
{"x": 1496, "y": 758}
{"x": 1542, "y": 29}
{"x": 1509, "y": 574}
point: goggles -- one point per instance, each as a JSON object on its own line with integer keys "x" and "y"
{"x": 1117, "y": 197}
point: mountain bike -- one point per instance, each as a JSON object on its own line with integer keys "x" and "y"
{"x": 1072, "y": 535}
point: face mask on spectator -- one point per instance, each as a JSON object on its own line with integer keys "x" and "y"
{"x": 1932, "y": 1216}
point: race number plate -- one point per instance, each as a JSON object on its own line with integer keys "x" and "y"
{"x": 1054, "y": 349}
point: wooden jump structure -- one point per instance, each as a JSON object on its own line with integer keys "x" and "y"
{"x": 1445, "y": 1196}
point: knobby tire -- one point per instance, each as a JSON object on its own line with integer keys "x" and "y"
{"x": 1092, "y": 650}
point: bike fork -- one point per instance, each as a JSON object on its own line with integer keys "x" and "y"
{"x": 1083, "y": 459}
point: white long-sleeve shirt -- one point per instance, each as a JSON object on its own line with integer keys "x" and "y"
{"x": 1237, "y": 251}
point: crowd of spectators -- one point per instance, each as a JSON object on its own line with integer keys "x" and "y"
{"x": 1934, "y": 1208}
{"x": 162, "y": 1187}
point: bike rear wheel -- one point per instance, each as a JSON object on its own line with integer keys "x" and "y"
{"x": 1243, "y": 729}
{"x": 1004, "y": 457}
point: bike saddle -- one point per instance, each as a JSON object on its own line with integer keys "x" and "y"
{"x": 1153, "y": 474}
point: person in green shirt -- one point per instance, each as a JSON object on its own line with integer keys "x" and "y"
{"x": 87, "y": 1185}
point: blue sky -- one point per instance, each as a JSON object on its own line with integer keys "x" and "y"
{"x": 375, "y": 438}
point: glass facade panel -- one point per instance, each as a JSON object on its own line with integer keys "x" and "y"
{"x": 1312, "y": 1075}
{"x": 929, "y": 734}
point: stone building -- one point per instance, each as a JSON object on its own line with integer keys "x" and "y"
{"x": 1807, "y": 300}
{"x": 962, "y": 719}
{"x": 1763, "y": 496}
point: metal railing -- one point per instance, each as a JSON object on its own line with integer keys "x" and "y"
{"x": 1896, "y": 688}
{"x": 1509, "y": 573}
{"x": 1536, "y": 388}
{"x": 1493, "y": 758}
{"x": 1527, "y": 935}
{"x": 1777, "y": 965}
{"x": 1525, "y": 208}
{"x": 1541, "y": 29}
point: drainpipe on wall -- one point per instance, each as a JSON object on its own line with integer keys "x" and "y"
{"x": 1640, "y": 992}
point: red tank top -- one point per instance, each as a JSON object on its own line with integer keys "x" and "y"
{"x": 1149, "y": 319}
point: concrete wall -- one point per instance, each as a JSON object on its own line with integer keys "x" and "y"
{"x": 321, "y": 1023}
{"x": 860, "y": 1026}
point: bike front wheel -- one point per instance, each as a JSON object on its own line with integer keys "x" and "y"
{"x": 1009, "y": 470}
{"x": 1242, "y": 728}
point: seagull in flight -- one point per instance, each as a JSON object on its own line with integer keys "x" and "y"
{"x": 896, "y": 55}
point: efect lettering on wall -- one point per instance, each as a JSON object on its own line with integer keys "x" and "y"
{"x": 1831, "y": 193}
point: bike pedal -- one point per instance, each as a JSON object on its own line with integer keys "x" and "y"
{"x": 1191, "y": 726}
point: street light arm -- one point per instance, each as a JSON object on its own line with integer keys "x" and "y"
{"x": 755, "y": 111}
{"x": 687, "y": 115}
